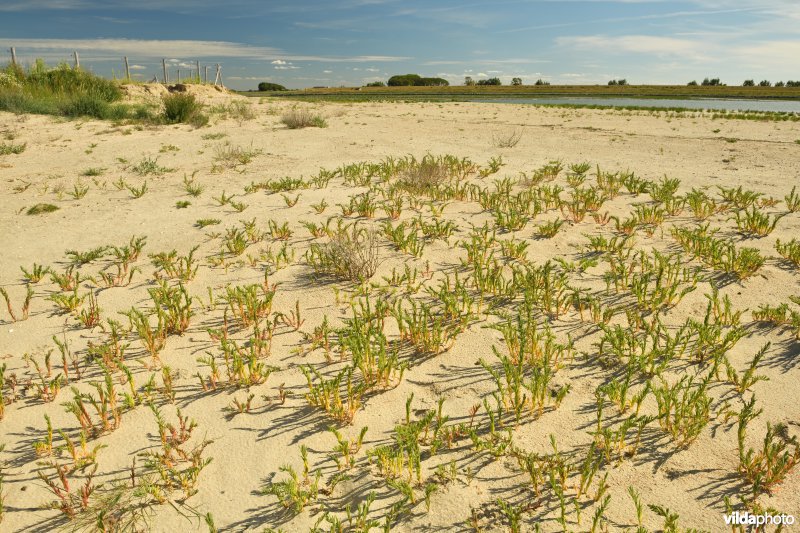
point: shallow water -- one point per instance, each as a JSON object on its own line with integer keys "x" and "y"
{"x": 727, "y": 104}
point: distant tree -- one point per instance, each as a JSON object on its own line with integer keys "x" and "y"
{"x": 749, "y": 83}
{"x": 375, "y": 84}
{"x": 516, "y": 81}
{"x": 265, "y": 86}
{"x": 490, "y": 81}
{"x": 692, "y": 83}
{"x": 618, "y": 82}
{"x": 713, "y": 82}
{"x": 791, "y": 83}
{"x": 612, "y": 82}
{"x": 765, "y": 83}
{"x": 403, "y": 80}
{"x": 414, "y": 80}
{"x": 468, "y": 81}
{"x": 779, "y": 84}
{"x": 432, "y": 82}
{"x": 540, "y": 81}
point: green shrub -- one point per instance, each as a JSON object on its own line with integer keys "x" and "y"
{"x": 182, "y": 108}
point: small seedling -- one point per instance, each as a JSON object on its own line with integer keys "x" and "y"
{"x": 203, "y": 222}
{"x": 137, "y": 192}
{"x": 549, "y": 229}
{"x": 79, "y": 190}
{"x": 290, "y": 202}
{"x": 320, "y": 207}
{"x": 36, "y": 274}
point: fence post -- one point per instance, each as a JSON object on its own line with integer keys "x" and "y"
{"x": 164, "y": 67}
{"x": 197, "y": 64}
{"x": 127, "y": 70}
{"x": 179, "y": 76}
{"x": 206, "y": 80}
{"x": 217, "y": 77}
{"x": 77, "y": 60}
{"x": 13, "y": 56}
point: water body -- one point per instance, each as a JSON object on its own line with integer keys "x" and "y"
{"x": 723, "y": 104}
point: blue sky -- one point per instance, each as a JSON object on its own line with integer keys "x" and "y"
{"x": 304, "y": 43}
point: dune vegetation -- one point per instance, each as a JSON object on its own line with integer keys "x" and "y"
{"x": 418, "y": 317}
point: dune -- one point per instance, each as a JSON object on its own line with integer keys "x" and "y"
{"x": 458, "y": 207}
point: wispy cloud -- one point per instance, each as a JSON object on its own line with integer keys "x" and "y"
{"x": 773, "y": 54}
{"x": 36, "y": 5}
{"x": 653, "y": 16}
{"x": 156, "y": 49}
{"x": 484, "y": 61}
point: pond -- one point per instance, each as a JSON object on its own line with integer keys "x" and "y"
{"x": 725, "y": 104}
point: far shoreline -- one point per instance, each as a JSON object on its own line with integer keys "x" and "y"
{"x": 545, "y": 91}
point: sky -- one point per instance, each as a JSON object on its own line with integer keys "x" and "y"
{"x": 306, "y": 43}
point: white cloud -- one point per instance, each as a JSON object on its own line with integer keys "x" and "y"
{"x": 138, "y": 67}
{"x": 637, "y": 44}
{"x": 283, "y": 65}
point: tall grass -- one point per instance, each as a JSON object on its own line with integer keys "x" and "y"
{"x": 63, "y": 91}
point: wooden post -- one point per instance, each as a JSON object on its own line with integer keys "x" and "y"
{"x": 179, "y": 76}
{"x": 164, "y": 67}
{"x": 127, "y": 70}
{"x": 13, "y": 56}
{"x": 206, "y": 80}
{"x": 217, "y": 77}
{"x": 197, "y": 64}
{"x": 77, "y": 60}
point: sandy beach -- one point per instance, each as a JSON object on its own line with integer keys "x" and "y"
{"x": 459, "y": 483}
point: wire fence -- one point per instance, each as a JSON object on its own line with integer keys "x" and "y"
{"x": 192, "y": 72}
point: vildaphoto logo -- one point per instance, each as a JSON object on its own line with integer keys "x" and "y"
{"x": 748, "y": 519}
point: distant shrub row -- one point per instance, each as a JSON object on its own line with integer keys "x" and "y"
{"x": 767, "y": 83}
{"x": 748, "y": 83}
{"x": 415, "y": 80}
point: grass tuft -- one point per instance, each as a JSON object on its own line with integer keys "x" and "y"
{"x": 351, "y": 254}
{"x": 11, "y": 148}
{"x": 302, "y": 118}
{"x": 39, "y": 209}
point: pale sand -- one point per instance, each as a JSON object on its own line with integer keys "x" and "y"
{"x": 248, "y": 448}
